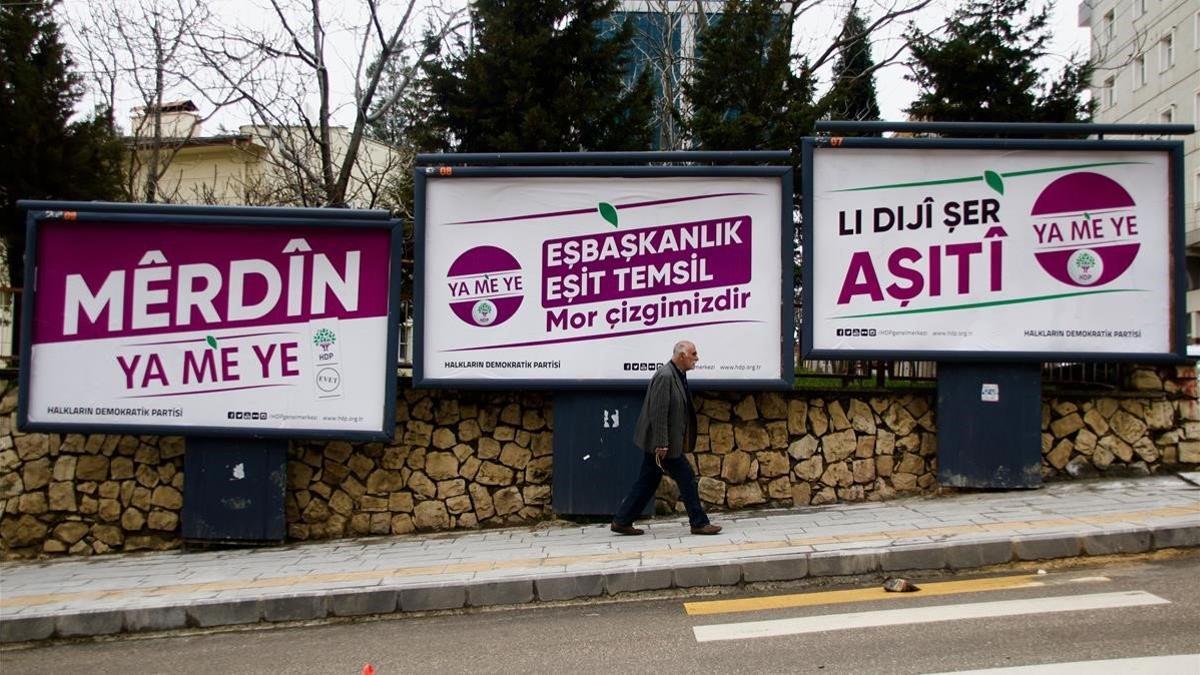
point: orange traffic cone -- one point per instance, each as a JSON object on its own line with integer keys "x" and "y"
{"x": 368, "y": 669}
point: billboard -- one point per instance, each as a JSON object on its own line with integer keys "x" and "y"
{"x": 1034, "y": 250}
{"x": 586, "y": 276}
{"x": 210, "y": 321}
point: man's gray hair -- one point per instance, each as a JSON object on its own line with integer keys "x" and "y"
{"x": 680, "y": 347}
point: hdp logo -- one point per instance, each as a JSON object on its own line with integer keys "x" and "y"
{"x": 486, "y": 286}
{"x": 1090, "y": 219}
{"x": 324, "y": 339}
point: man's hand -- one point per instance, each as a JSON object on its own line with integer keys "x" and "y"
{"x": 660, "y": 453}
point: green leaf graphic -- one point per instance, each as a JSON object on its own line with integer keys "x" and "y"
{"x": 212, "y": 341}
{"x": 608, "y": 212}
{"x": 994, "y": 181}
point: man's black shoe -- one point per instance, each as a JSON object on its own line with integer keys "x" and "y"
{"x": 628, "y": 530}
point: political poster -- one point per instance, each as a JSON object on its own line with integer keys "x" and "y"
{"x": 569, "y": 280}
{"x": 1034, "y": 252}
{"x": 147, "y": 321}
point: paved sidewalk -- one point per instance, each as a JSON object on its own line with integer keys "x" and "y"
{"x": 162, "y": 591}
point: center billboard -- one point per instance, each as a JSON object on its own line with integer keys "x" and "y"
{"x": 578, "y": 277}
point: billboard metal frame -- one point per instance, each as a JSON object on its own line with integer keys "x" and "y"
{"x": 269, "y": 217}
{"x": 571, "y": 165}
{"x": 1174, "y": 152}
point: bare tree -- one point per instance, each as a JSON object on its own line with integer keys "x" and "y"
{"x": 284, "y": 76}
{"x": 822, "y": 48}
{"x": 664, "y": 36}
{"x": 145, "y": 47}
{"x": 666, "y": 31}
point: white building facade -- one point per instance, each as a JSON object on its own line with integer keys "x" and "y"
{"x": 1147, "y": 57}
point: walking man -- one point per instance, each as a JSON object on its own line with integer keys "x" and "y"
{"x": 665, "y": 430}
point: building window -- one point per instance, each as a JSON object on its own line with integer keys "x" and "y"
{"x": 1139, "y": 71}
{"x": 1107, "y": 27}
{"x": 1109, "y": 93}
{"x": 1196, "y": 36}
{"x": 1167, "y": 115}
{"x": 1139, "y": 8}
{"x": 1166, "y": 51}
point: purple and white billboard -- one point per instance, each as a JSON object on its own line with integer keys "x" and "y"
{"x": 567, "y": 278}
{"x": 1054, "y": 252}
{"x": 202, "y": 326}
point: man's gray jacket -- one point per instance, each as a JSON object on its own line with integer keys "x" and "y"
{"x": 665, "y": 418}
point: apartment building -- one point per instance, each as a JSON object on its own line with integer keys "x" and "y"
{"x": 1147, "y": 56}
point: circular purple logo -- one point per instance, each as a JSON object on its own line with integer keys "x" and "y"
{"x": 486, "y": 286}
{"x": 1086, "y": 228}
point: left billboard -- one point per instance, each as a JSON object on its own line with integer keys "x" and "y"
{"x": 210, "y": 321}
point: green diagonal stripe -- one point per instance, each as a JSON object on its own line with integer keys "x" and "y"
{"x": 994, "y": 303}
{"x": 972, "y": 179}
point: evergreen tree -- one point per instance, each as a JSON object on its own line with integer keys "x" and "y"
{"x": 46, "y": 156}
{"x": 986, "y": 68}
{"x": 852, "y": 94}
{"x": 744, "y": 94}
{"x": 538, "y": 76}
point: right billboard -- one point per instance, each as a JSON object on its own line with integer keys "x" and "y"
{"x": 1026, "y": 250}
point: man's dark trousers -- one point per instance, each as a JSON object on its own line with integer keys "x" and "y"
{"x": 647, "y": 482}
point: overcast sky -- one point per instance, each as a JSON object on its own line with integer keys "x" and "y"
{"x": 894, "y": 92}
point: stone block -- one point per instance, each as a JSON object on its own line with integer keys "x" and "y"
{"x": 155, "y": 618}
{"x": 978, "y": 554}
{"x": 26, "y": 629}
{"x": 426, "y": 598}
{"x": 839, "y": 446}
{"x": 228, "y": 613}
{"x": 775, "y": 569}
{"x": 569, "y": 586}
{"x": 1176, "y": 536}
{"x": 1107, "y": 543}
{"x": 751, "y": 437}
{"x": 739, "y": 496}
{"x": 923, "y": 557}
{"x": 84, "y": 624}
{"x": 294, "y": 608}
{"x": 797, "y": 417}
{"x": 507, "y": 592}
{"x": 729, "y": 574}
{"x": 637, "y": 580}
{"x": 1066, "y": 426}
{"x": 843, "y": 563}
{"x": 1046, "y": 547}
{"x": 803, "y": 448}
{"x": 735, "y": 467}
{"x": 363, "y": 602}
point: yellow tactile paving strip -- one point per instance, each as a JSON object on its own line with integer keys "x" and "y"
{"x": 533, "y": 563}
{"x": 856, "y": 595}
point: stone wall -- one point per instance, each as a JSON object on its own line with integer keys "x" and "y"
{"x": 469, "y": 459}
{"x": 458, "y": 460}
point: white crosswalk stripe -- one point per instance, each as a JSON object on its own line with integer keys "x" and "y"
{"x": 1180, "y": 664}
{"x": 895, "y": 617}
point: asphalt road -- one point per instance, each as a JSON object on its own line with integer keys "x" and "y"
{"x": 1155, "y": 612}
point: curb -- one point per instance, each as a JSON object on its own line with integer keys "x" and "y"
{"x": 529, "y": 589}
